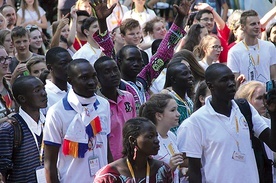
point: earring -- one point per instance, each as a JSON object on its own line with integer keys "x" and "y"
{"x": 135, "y": 152}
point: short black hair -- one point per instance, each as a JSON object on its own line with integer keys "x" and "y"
{"x": 121, "y": 53}
{"x": 87, "y": 23}
{"x": 101, "y": 60}
{"x": 52, "y": 54}
{"x": 73, "y": 64}
{"x": 212, "y": 71}
{"x": 201, "y": 12}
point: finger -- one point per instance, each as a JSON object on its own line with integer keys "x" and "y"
{"x": 66, "y": 16}
{"x": 113, "y": 6}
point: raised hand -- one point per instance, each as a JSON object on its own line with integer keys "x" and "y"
{"x": 101, "y": 9}
{"x": 183, "y": 8}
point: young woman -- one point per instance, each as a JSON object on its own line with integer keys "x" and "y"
{"x": 36, "y": 65}
{"x": 161, "y": 109}
{"x": 140, "y": 12}
{"x": 201, "y": 93}
{"x": 84, "y": 5}
{"x": 30, "y": 13}
{"x": 36, "y": 42}
{"x": 6, "y": 41}
{"x": 271, "y": 33}
{"x": 140, "y": 142}
{"x": 115, "y": 18}
{"x": 208, "y": 50}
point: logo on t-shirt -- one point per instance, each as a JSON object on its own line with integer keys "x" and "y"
{"x": 128, "y": 107}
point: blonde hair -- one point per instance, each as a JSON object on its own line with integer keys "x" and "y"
{"x": 247, "y": 90}
{"x": 24, "y": 7}
{"x": 203, "y": 45}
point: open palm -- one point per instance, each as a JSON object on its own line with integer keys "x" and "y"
{"x": 101, "y": 9}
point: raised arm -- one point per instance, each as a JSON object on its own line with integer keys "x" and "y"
{"x": 166, "y": 48}
{"x": 56, "y": 37}
{"x": 73, "y": 26}
{"x": 267, "y": 17}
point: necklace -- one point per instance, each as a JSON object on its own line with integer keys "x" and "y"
{"x": 250, "y": 55}
{"x": 132, "y": 172}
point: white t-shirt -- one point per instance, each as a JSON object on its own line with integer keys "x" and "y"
{"x": 213, "y": 137}
{"x": 158, "y": 84}
{"x": 88, "y": 53}
{"x": 167, "y": 149}
{"x": 239, "y": 60}
{"x": 31, "y": 15}
{"x": 58, "y": 119}
{"x": 142, "y": 17}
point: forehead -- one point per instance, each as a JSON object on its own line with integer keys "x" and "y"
{"x": 131, "y": 52}
{"x": 108, "y": 64}
{"x": 35, "y": 32}
{"x": 135, "y": 29}
{"x": 33, "y": 83}
{"x": 207, "y": 15}
{"x": 147, "y": 128}
{"x": 252, "y": 19}
{"x": 83, "y": 68}
{"x": 8, "y": 10}
{"x": 22, "y": 38}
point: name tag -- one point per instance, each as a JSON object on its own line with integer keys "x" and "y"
{"x": 94, "y": 165}
{"x": 40, "y": 174}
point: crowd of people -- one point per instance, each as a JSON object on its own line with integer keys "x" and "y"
{"x": 137, "y": 91}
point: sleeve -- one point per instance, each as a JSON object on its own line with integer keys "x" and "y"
{"x": 6, "y": 147}
{"x": 224, "y": 33}
{"x": 108, "y": 118}
{"x": 273, "y": 55}
{"x": 259, "y": 124}
{"x": 41, "y": 11}
{"x": 232, "y": 61}
{"x": 189, "y": 139}
{"x": 52, "y": 133}
{"x": 105, "y": 42}
{"x": 164, "y": 54}
{"x": 107, "y": 175}
{"x": 19, "y": 12}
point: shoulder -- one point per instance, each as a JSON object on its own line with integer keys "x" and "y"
{"x": 160, "y": 168}
{"x": 41, "y": 10}
{"x": 107, "y": 174}
{"x": 102, "y": 100}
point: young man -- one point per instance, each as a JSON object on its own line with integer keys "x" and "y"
{"x": 76, "y": 157}
{"x": 253, "y": 58}
{"x": 21, "y": 41}
{"x": 131, "y": 33}
{"x": 130, "y": 61}
{"x": 57, "y": 60}
{"x": 80, "y": 38}
{"x": 206, "y": 18}
{"x": 217, "y": 134}
{"x": 9, "y": 13}
{"x": 98, "y": 39}
{"x": 122, "y": 105}
{"x": 19, "y": 165}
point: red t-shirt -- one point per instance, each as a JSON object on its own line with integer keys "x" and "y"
{"x": 78, "y": 44}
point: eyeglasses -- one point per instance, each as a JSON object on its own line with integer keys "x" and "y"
{"x": 217, "y": 47}
{"x": 207, "y": 19}
{"x": 4, "y": 60}
{"x": 31, "y": 27}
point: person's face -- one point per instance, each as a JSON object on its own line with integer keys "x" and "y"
{"x": 213, "y": 50}
{"x": 4, "y": 62}
{"x": 132, "y": 63}
{"x": 117, "y": 38}
{"x": 133, "y": 36}
{"x": 8, "y": 44}
{"x": 29, "y": 2}
{"x": 207, "y": 19}
{"x": 10, "y": 15}
{"x": 37, "y": 69}
{"x": 21, "y": 44}
{"x": 2, "y": 23}
{"x": 252, "y": 27}
{"x": 94, "y": 27}
{"x": 59, "y": 68}
{"x": 159, "y": 30}
{"x": 109, "y": 74}
{"x": 273, "y": 35}
{"x": 84, "y": 82}
{"x": 257, "y": 100}
{"x": 147, "y": 142}
{"x": 65, "y": 31}
{"x": 35, "y": 39}
{"x": 223, "y": 87}
{"x": 183, "y": 77}
{"x": 170, "y": 116}
{"x": 79, "y": 23}
{"x": 139, "y": 2}
{"x": 85, "y": 6}
{"x": 203, "y": 32}
{"x": 36, "y": 96}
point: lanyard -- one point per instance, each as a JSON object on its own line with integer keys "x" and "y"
{"x": 132, "y": 172}
{"x": 78, "y": 40}
{"x": 183, "y": 101}
{"x": 250, "y": 55}
{"x": 92, "y": 49}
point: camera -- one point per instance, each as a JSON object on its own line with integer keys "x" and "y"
{"x": 270, "y": 85}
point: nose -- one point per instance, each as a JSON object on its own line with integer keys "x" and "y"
{"x": 177, "y": 113}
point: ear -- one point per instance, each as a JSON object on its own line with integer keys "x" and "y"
{"x": 242, "y": 27}
{"x": 210, "y": 85}
{"x": 158, "y": 116}
{"x": 49, "y": 67}
{"x": 69, "y": 80}
{"x": 86, "y": 32}
{"x": 132, "y": 141}
{"x": 21, "y": 99}
{"x": 201, "y": 99}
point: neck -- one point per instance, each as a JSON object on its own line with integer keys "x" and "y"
{"x": 251, "y": 41}
{"x": 62, "y": 85}
{"x": 221, "y": 106}
{"x": 81, "y": 37}
{"x": 34, "y": 50}
{"x": 24, "y": 57}
{"x": 139, "y": 9}
{"x": 163, "y": 132}
{"x": 127, "y": 78}
{"x": 139, "y": 163}
{"x": 208, "y": 60}
{"x": 30, "y": 7}
{"x": 110, "y": 93}
{"x": 93, "y": 43}
{"x": 180, "y": 92}
{"x": 34, "y": 113}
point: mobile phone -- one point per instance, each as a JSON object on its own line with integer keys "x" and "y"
{"x": 270, "y": 85}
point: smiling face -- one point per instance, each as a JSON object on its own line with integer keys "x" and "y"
{"x": 207, "y": 19}
{"x": 183, "y": 77}
{"x": 37, "y": 69}
{"x": 21, "y": 44}
{"x": 159, "y": 30}
{"x": 35, "y": 39}
{"x": 132, "y": 36}
{"x": 252, "y": 27}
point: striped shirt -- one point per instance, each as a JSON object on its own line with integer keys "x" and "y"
{"x": 21, "y": 166}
